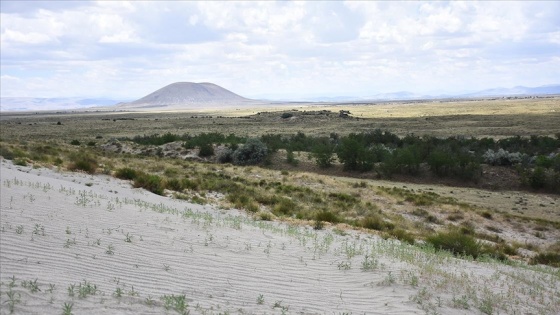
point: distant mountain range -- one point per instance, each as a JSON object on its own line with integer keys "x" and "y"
{"x": 58, "y": 103}
{"x": 405, "y": 95}
{"x": 188, "y": 95}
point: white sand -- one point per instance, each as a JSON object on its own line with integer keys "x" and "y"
{"x": 222, "y": 261}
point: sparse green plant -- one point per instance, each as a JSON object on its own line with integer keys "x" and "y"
{"x": 128, "y": 238}
{"x": 461, "y": 302}
{"x": 19, "y": 229}
{"x": 67, "y": 308}
{"x": 118, "y": 292}
{"x": 13, "y": 299}
{"x": 369, "y": 263}
{"x": 86, "y": 288}
{"x": 344, "y": 265}
{"x": 175, "y": 302}
{"x": 389, "y": 280}
{"x": 260, "y": 299}
{"x": 110, "y": 249}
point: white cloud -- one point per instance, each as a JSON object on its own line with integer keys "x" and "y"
{"x": 294, "y": 48}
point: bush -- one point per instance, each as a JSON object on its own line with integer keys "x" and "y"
{"x": 75, "y": 142}
{"x": 402, "y": 236}
{"x": 126, "y": 173}
{"x": 327, "y": 216}
{"x": 151, "y": 183}
{"x": 537, "y": 178}
{"x": 374, "y": 222}
{"x": 456, "y": 242}
{"x": 205, "y": 150}
{"x": 287, "y": 115}
{"x": 502, "y": 157}
{"x": 284, "y": 206}
{"x": 6, "y": 153}
{"x": 225, "y": 156}
{"x": 252, "y": 152}
{"x": 550, "y": 259}
{"x": 82, "y": 162}
{"x": 323, "y": 154}
{"x": 354, "y": 155}
{"x": 291, "y": 159}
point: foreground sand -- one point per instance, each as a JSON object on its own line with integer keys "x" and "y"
{"x": 97, "y": 244}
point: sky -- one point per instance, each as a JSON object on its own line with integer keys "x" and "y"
{"x": 285, "y": 49}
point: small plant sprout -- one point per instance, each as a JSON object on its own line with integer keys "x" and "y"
{"x": 110, "y": 250}
{"x": 132, "y": 292}
{"x": 39, "y": 229}
{"x": 19, "y": 229}
{"x": 166, "y": 267}
{"x": 128, "y": 238}
{"x": 86, "y": 288}
{"x": 12, "y": 282}
{"x": 67, "y": 308}
{"x": 369, "y": 263}
{"x": 260, "y": 299}
{"x": 13, "y": 299}
{"x": 51, "y": 288}
{"x": 68, "y": 230}
{"x": 71, "y": 290}
{"x": 118, "y": 292}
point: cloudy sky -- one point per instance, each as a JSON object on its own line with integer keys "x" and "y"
{"x": 126, "y": 50}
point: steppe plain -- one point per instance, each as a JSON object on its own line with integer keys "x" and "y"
{"x": 92, "y": 244}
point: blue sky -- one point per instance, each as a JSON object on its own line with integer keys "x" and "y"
{"x": 126, "y": 50}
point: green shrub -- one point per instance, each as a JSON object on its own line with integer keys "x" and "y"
{"x": 6, "y": 153}
{"x": 284, "y": 206}
{"x": 549, "y": 258}
{"x": 327, "y": 216}
{"x": 206, "y": 150}
{"x": 82, "y": 162}
{"x": 290, "y": 158}
{"x": 323, "y": 154}
{"x": 287, "y": 115}
{"x": 225, "y": 156}
{"x": 375, "y": 222}
{"x": 456, "y": 242}
{"x": 126, "y": 173}
{"x": 149, "y": 182}
{"x": 20, "y": 162}
{"x": 174, "y": 184}
{"x": 75, "y": 142}
{"x": 537, "y": 178}
{"x": 252, "y": 152}
{"x": 402, "y": 236}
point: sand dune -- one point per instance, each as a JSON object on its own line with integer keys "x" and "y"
{"x": 145, "y": 253}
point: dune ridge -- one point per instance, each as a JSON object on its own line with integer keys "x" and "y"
{"x": 67, "y": 229}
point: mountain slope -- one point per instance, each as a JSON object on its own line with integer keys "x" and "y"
{"x": 187, "y": 93}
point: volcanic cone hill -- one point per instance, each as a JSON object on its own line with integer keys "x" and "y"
{"x": 186, "y": 95}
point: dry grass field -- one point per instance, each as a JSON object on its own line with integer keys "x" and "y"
{"x": 492, "y": 118}
{"x": 503, "y": 218}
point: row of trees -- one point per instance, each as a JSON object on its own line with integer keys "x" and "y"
{"x": 536, "y": 158}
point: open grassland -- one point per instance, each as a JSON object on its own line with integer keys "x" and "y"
{"x": 498, "y": 118}
{"x": 348, "y": 242}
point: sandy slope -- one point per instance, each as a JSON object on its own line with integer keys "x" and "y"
{"x": 58, "y": 227}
